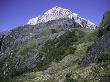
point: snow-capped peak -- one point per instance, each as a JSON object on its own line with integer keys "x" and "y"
{"x": 57, "y": 13}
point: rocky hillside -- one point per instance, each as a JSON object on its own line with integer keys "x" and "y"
{"x": 59, "y": 49}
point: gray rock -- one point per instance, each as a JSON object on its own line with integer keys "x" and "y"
{"x": 34, "y": 61}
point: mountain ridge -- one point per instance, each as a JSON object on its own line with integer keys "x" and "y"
{"x": 57, "y": 13}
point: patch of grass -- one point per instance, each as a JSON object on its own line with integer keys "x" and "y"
{"x": 54, "y": 31}
{"x": 70, "y": 37}
{"x": 92, "y": 36}
{"x": 60, "y": 47}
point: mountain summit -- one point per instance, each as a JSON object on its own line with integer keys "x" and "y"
{"x": 58, "y": 13}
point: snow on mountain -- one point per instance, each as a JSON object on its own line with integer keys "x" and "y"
{"x": 57, "y": 13}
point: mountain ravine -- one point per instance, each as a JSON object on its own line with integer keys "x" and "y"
{"x": 59, "y": 46}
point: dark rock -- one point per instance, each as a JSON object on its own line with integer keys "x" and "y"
{"x": 1, "y": 40}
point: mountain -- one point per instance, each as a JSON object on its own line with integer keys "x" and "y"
{"x": 24, "y": 48}
{"x": 57, "y": 13}
{"x": 59, "y": 46}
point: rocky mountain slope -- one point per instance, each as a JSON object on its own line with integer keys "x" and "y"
{"x": 21, "y": 49}
{"x": 56, "y": 47}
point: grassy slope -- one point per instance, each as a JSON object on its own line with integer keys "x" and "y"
{"x": 64, "y": 55}
{"x": 56, "y": 71}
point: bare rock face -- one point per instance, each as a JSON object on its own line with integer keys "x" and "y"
{"x": 57, "y": 13}
{"x": 34, "y": 61}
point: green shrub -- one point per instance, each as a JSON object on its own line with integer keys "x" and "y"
{"x": 54, "y": 31}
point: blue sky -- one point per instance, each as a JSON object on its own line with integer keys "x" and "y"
{"x": 17, "y": 12}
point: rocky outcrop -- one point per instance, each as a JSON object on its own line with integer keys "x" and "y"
{"x": 99, "y": 51}
{"x": 33, "y": 61}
